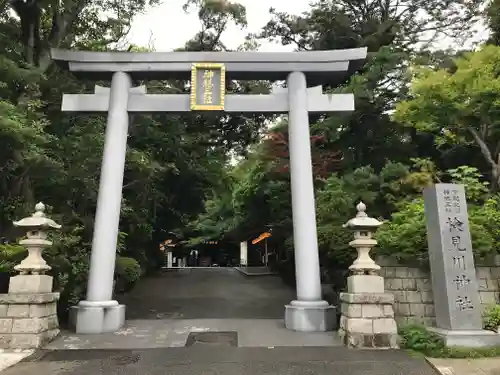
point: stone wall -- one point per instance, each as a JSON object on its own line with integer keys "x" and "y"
{"x": 412, "y": 289}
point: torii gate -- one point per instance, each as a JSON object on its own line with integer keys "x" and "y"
{"x": 208, "y": 72}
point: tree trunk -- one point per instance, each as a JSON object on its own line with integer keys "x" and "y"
{"x": 495, "y": 176}
{"x": 485, "y": 151}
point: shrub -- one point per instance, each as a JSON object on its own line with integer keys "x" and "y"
{"x": 69, "y": 258}
{"x": 418, "y": 339}
{"x": 404, "y": 237}
{"x": 11, "y": 255}
{"x": 491, "y": 318}
{"x": 128, "y": 272}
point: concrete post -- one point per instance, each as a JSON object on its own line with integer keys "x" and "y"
{"x": 309, "y": 312}
{"x": 243, "y": 253}
{"x": 99, "y": 302}
{"x": 169, "y": 259}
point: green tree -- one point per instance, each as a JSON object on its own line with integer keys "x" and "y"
{"x": 394, "y": 32}
{"x": 460, "y": 108}
{"x": 215, "y": 16}
{"x": 493, "y": 20}
{"x": 45, "y": 24}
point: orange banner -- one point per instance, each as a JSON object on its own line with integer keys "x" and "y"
{"x": 261, "y": 237}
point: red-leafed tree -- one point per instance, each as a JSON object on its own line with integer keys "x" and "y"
{"x": 324, "y": 160}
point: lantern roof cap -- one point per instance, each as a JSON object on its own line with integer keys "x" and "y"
{"x": 362, "y": 220}
{"x": 37, "y": 220}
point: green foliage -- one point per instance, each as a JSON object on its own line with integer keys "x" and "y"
{"x": 334, "y": 206}
{"x": 418, "y": 339}
{"x": 404, "y": 236}
{"x": 491, "y": 318}
{"x": 10, "y": 256}
{"x": 69, "y": 258}
{"x": 493, "y": 20}
{"x": 477, "y": 190}
{"x": 488, "y": 216}
{"x": 127, "y": 273}
{"x": 460, "y": 107}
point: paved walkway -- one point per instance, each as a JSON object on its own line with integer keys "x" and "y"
{"x": 165, "y": 309}
{"x": 480, "y": 366}
{"x": 211, "y": 321}
{"x": 208, "y": 293}
{"x": 172, "y": 333}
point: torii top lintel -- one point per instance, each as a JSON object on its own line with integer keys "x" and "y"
{"x": 318, "y": 66}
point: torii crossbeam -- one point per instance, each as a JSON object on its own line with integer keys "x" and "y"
{"x": 140, "y": 102}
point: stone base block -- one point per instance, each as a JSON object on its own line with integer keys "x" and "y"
{"x": 30, "y": 284}
{"x": 368, "y": 341}
{"x": 28, "y": 340}
{"x": 365, "y": 284}
{"x": 367, "y": 321}
{"x": 368, "y": 298}
{"x": 28, "y": 321}
{"x": 316, "y": 316}
{"x": 91, "y": 320}
{"x": 468, "y": 339}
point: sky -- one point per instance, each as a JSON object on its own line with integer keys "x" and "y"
{"x": 168, "y": 27}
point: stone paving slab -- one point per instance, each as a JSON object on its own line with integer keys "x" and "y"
{"x": 479, "y": 366}
{"x": 142, "y": 334}
{"x": 223, "y": 361}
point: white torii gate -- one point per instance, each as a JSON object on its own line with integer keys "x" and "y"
{"x": 208, "y": 72}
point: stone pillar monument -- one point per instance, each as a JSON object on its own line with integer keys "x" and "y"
{"x": 309, "y": 312}
{"x": 367, "y": 319}
{"x": 28, "y": 313}
{"x": 453, "y": 273}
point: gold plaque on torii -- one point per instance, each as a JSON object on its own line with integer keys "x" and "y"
{"x": 208, "y": 87}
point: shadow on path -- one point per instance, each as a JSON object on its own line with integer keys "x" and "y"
{"x": 224, "y": 361}
{"x": 211, "y": 293}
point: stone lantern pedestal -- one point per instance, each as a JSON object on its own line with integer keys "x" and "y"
{"x": 28, "y": 313}
{"x": 367, "y": 319}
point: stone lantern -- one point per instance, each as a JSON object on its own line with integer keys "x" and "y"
{"x": 367, "y": 319}
{"x": 363, "y": 227}
{"x": 29, "y": 310}
{"x": 36, "y": 226}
